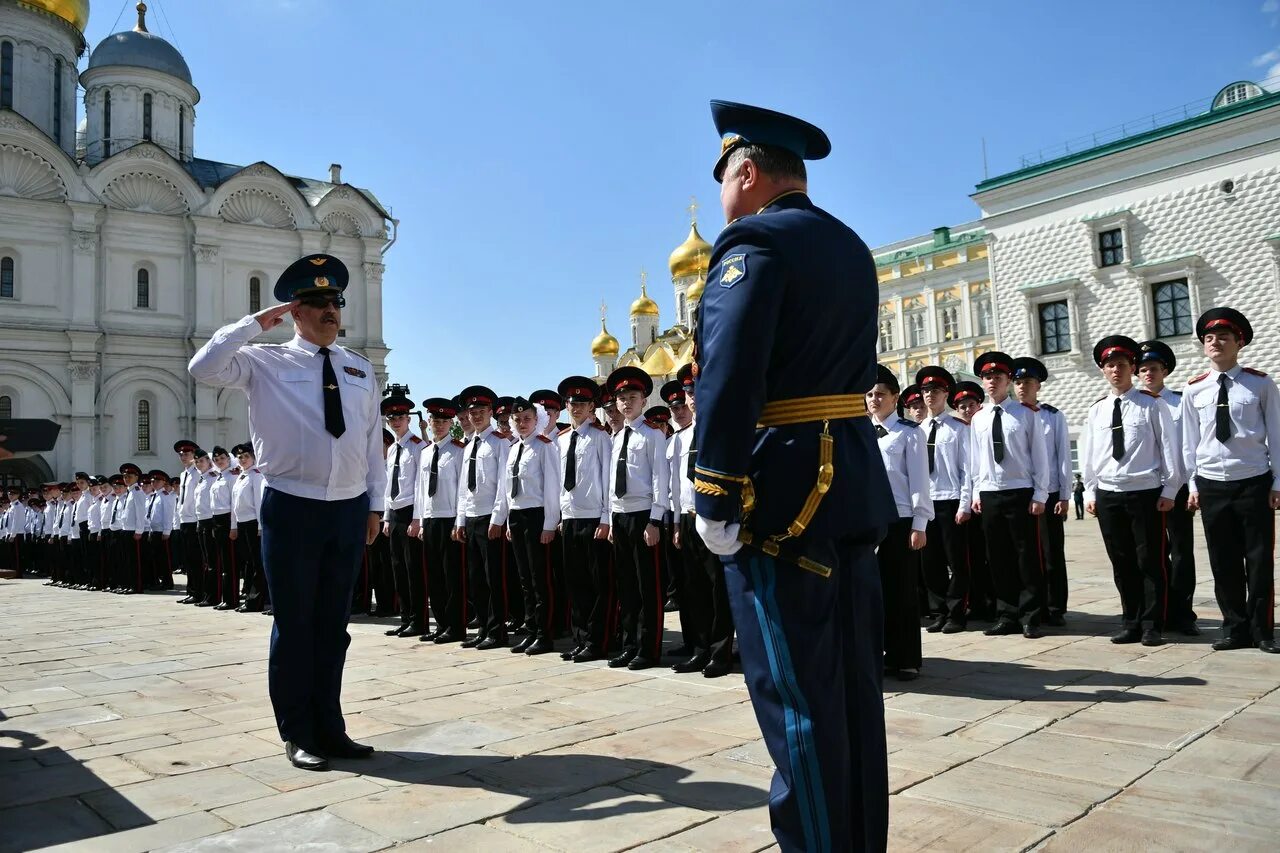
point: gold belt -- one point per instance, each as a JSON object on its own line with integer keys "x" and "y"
{"x": 803, "y": 410}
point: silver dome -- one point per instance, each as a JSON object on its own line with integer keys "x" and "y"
{"x": 140, "y": 50}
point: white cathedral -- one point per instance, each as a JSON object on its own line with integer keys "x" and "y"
{"x": 121, "y": 252}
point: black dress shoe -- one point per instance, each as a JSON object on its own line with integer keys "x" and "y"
{"x": 1151, "y": 637}
{"x": 936, "y": 625}
{"x": 519, "y": 647}
{"x": 682, "y": 651}
{"x": 473, "y": 642}
{"x": 908, "y": 674}
{"x": 569, "y": 654}
{"x": 342, "y": 746}
{"x": 622, "y": 660}
{"x": 223, "y": 606}
{"x": 267, "y": 611}
{"x": 586, "y": 653}
{"x": 638, "y": 663}
{"x": 717, "y": 669}
{"x": 304, "y": 760}
{"x": 540, "y": 647}
{"x": 953, "y": 627}
{"x": 694, "y": 664}
{"x": 204, "y": 604}
{"x": 1268, "y": 646}
{"x": 492, "y": 643}
{"x": 243, "y": 608}
{"x": 187, "y": 600}
{"x": 449, "y": 637}
{"x": 394, "y": 632}
{"x": 1003, "y": 627}
{"x": 1188, "y": 629}
{"x": 672, "y": 606}
{"x": 1057, "y": 620}
{"x": 1032, "y": 631}
{"x": 1128, "y": 635}
{"x": 1227, "y": 644}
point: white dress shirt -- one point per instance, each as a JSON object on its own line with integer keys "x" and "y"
{"x": 1254, "y": 406}
{"x": 1057, "y": 449}
{"x": 906, "y": 461}
{"x": 187, "y": 494}
{"x": 538, "y": 471}
{"x": 487, "y": 450}
{"x": 246, "y": 496}
{"x": 1151, "y": 458}
{"x": 220, "y": 491}
{"x": 592, "y": 454}
{"x": 1025, "y": 464}
{"x": 407, "y": 449}
{"x": 294, "y": 451}
{"x": 82, "y": 507}
{"x": 447, "y": 455}
{"x": 950, "y": 480}
{"x": 135, "y": 510}
{"x": 647, "y": 475}
{"x": 95, "y": 514}
{"x": 678, "y": 450}
{"x": 158, "y": 520}
{"x": 114, "y": 512}
{"x": 204, "y": 506}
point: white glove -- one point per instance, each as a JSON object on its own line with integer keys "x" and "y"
{"x": 720, "y": 538}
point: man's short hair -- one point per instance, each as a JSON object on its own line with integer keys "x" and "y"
{"x": 776, "y": 163}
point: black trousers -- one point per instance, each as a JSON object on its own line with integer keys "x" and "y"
{"x": 191, "y": 559}
{"x": 1053, "y": 556}
{"x": 15, "y": 552}
{"x": 1133, "y": 532}
{"x": 249, "y": 553}
{"x": 675, "y": 561}
{"x": 132, "y": 560}
{"x": 641, "y": 586}
{"x": 587, "y": 566}
{"x": 209, "y": 579}
{"x": 512, "y": 598}
{"x": 1180, "y": 548}
{"x": 84, "y": 570}
{"x": 158, "y": 574}
{"x": 946, "y": 562}
{"x": 1013, "y": 555}
{"x": 982, "y": 588}
{"x": 704, "y": 585}
{"x": 1239, "y": 532}
{"x": 488, "y": 579}
{"x": 1079, "y": 498}
{"x": 898, "y": 570}
{"x": 533, "y": 565}
{"x": 446, "y": 581}
{"x": 407, "y": 569}
{"x": 228, "y": 574}
{"x": 376, "y": 580}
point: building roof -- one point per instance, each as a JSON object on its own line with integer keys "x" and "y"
{"x": 942, "y": 241}
{"x": 212, "y": 174}
{"x": 140, "y": 50}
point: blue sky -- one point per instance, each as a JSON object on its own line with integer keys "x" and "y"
{"x": 540, "y": 154}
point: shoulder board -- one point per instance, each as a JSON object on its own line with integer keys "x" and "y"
{"x": 1193, "y": 380}
{"x": 1252, "y": 371}
{"x": 501, "y": 433}
{"x": 908, "y": 422}
{"x": 543, "y": 439}
{"x": 1103, "y": 397}
{"x": 599, "y": 426}
{"x": 255, "y": 470}
{"x": 1175, "y": 393}
{"x": 1150, "y": 393}
{"x": 415, "y": 439}
{"x": 458, "y": 443}
{"x": 350, "y": 351}
{"x": 565, "y": 431}
{"x": 1048, "y": 408}
{"x": 651, "y": 424}
{"x": 1032, "y": 407}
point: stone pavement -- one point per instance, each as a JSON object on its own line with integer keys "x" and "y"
{"x": 134, "y": 724}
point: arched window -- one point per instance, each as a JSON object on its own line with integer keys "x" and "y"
{"x": 144, "y": 426}
{"x": 146, "y": 117}
{"x": 6, "y": 74}
{"x": 144, "y": 288}
{"x": 106, "y": 124}
{"x": 6, "y": 277}
{"x": 6, "y": 407}
{"x": 57, "y": 101}
{"x": 255, "y": 295}
{"x": 182, "y": 131}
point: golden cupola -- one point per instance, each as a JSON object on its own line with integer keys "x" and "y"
{"x": 694, "y": 293}
{"x": 605, "y": 344}
{"x": 74, "y": 12}
{"x": 644, "y": 306}
{"x": 690, "y": 257}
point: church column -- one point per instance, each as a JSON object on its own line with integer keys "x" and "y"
{"x": 966, "y": 308}
{"x": 208, "y": 285}
{"x": 84, "y": 421}
{"x": 82, "y": 295}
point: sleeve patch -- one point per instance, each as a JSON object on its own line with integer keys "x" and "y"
{"x": 733, "y": 269}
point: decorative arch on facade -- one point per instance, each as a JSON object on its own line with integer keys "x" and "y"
{"x": 25, "y": 174}
{"x": 267, "y": 180}
{"x": 17, "y": 132}
{"x": 347, "y": 202}
{"x": 146, "y": 163}
{"x": 146, "y": 377}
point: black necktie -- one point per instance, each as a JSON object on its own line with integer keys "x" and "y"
{"x": 395, "y": 473}
{"x": 115, "y": 507}
{"x": 334, "y": 422}
{"x": 515, "y": 472}
{"x": 693, "y": 453}
{"x": 1117, "y": 432}
{"x": 435, "y": 471}
{"x": 571, "y": 463}
{"x": 182, "y": 487}
{"x": 620, "y": 478}
{"x": 997, "y": 436}
{"x": 1223, "y": 430}
{"x": 151, "y": 504}
{"x": 933, "y": 436}
{"x": 881, "y": 432}
{"x": 471, "y": 464}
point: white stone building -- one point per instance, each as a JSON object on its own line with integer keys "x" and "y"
{"x": 121, "y": 251}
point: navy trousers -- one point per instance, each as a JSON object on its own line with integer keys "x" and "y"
{"x": 311, "y": 551}
{"x": 812, "y": 652}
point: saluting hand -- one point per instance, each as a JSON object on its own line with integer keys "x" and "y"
{"x": 269, "y": 318}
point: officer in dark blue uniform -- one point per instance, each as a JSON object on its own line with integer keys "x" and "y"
{"x": 788, "y": 464}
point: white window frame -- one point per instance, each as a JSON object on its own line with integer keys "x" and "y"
{"x": 1155, "y": 273}
{"x": 1119, "y": 220}
{"x": 1055, "y": 291}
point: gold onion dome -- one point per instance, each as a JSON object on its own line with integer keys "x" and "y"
{"x": 644, "y": 306}
{"x": 690, "y": 257}
{"x": 74, "y": 12}
{"x": 605, "y": 343}
{"x": 694, "y": 293}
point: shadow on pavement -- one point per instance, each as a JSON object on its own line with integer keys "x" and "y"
{"x": 1020, "y": 681}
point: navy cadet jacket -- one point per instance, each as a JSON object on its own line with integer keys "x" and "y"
{"x": 789, "y": 311}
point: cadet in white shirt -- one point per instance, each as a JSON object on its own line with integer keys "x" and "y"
{"x": 639, "y": 494}
{"x": 209, "y": 567}
{"x": 220, "y": 528}
{"x": 484, "y": 459}
{"x": 945, "y": 556}
{"x": 113, "y": 531}
{"x": 906, "y": 462}
{"x": 1155, "y": 362}
{"x": 1131, "y": 474}
{"x": 97, "y": 547}
{"x": 529, "y": 499}
{"x": 1231, "y": 450}
{"x": 80, "y": 518}
{"x": 185, "y": 517}
{"x": 1010, "y": 476}
{"x": 435, "y": 512}
{"x": 313, "y": 414}
{"x": 157, "y": 573}
{"x": 134, "y": 525}
{"x": 246, "y": 503}
{"x": 406, "y": 551}
{"x": 15, "y": 529}
{"x": 584, "y": 521}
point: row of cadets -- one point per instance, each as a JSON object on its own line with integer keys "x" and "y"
{"x": 1131, "y": 472}
{"x": 435, "y": 512}
{"x": 402, "y": 462}
{"x": 376, "y": 581}
{"x": 703, "y": 596}
{"x": 902, "y": 449}
{"x": 946, "y": 564}
{"x": 246, "y": 503}
{"x": 14, "y": 530}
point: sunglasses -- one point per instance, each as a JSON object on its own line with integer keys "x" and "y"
{"x": 324, "y": 301}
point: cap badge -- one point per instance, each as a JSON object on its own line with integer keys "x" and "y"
{"x": 321, "y": 281}
{"x": 319, "y": 261}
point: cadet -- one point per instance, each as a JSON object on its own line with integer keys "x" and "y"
{"x": 81, "y": 521}
{"x": 246, "y": 503}
{"x": 1010, "y": 475}
{"x": 695, "y": 612}
{"x": 189, "y": 541}
{"x": 613, "y": 418}
{"x": 1155, "y": 362}
{"x": 1028, "y": 375}
{"x": 965, "y": 401}
{"x": 435, "y": 510}
{"x": 911, "y": 404}
{"x": 220, "y": 503}
{"x": 159, "y": 574}
{"x": 1230, "y": 425}
{"x": 638, "y": 497}
{"x": 406, "y": 551}
{"x": 210, "y": 579}
{"x": 1131, "y": 473}
{"x": 313, "y": 414}
{"x": 134, "y": 525}
{"x": 502, "y": 419}
{"x": 786, "y": 340}
{"x": 585, "y": 451}
{"x": 946, "y": 551}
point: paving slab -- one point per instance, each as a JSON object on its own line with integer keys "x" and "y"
{"x": 314, "y": 833}
{"x": 415, "y": 811}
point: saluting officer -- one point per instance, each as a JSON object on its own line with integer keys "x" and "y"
{"x": 1231, "y": 449}
{"x": 787, "y": 341}
{"x": 406, "y": 551}
{"x": 435, "y": 511}
{"x": 313, "y": 414}
{"x": 1131, "y": 473}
